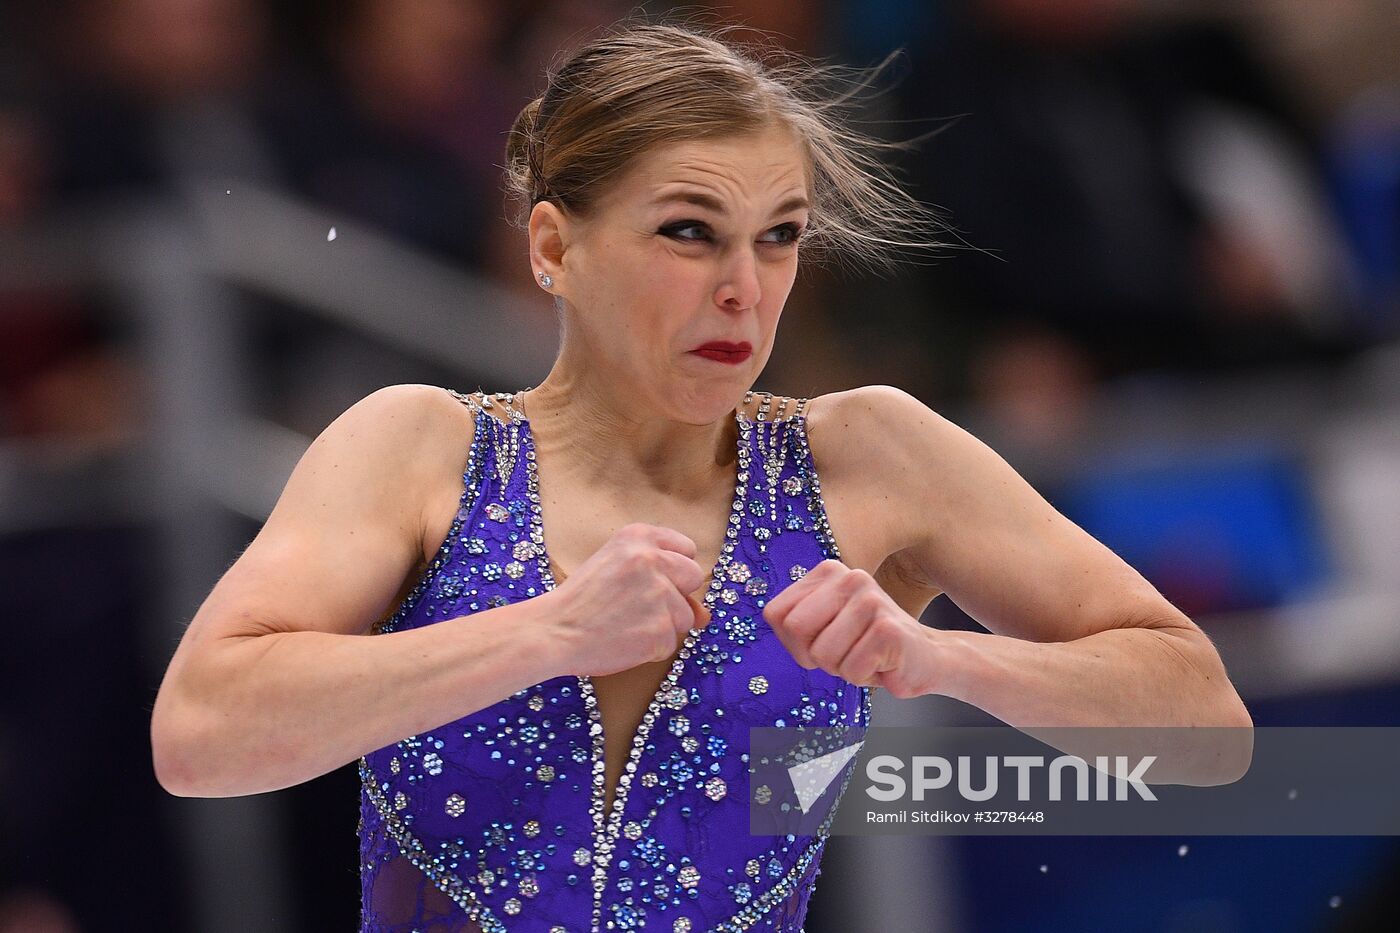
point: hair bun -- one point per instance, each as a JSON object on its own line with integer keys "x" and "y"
{"x": 523, "y": 167}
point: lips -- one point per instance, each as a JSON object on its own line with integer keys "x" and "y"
{"x": 726, "y": 346}
{"x": 724, "y": 351}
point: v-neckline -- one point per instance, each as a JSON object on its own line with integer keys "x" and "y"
{"x": 530, "y": 453}
{"x": 607, "y": 825}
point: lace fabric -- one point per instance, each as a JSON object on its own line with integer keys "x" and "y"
{"x": 397, "y": 900}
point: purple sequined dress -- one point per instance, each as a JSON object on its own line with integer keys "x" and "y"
{"x": 494, "y": 822}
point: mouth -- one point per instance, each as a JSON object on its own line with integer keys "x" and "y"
{"x": 723, "y": 351}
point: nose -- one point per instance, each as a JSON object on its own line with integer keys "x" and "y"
{"x": 739, "y": 288}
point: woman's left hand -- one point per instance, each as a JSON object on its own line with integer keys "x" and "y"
{"x": 839, "y": 619}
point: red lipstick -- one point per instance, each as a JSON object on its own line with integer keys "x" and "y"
{"x": 724, "y": 351}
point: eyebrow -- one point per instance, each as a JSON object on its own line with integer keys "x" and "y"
{"x": 701, "y": 199}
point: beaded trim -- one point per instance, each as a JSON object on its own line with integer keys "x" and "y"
{"x": 413, "y": 850}
{"x": 808, "y": 470}
{"x": 472, "y": 483}
{"x": 764, "y": 903}
{"x": 605, "y": 833}
{"x": 816, "y": 505}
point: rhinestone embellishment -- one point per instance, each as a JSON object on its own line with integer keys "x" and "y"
{"x": 637, "y": 875}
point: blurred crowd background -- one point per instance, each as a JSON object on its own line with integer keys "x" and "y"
{"x": 1172, "y": 302}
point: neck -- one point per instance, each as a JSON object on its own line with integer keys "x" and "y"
{"x": 610, "y": 442}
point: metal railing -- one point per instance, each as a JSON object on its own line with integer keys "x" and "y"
{"x": 182, "y": 272}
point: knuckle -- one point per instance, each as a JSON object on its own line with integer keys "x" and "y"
{"x": 638, "y": 556}
{"x": 868, "y": 600}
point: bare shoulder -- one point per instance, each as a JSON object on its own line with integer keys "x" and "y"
{"x": 839, "y": 425}
{"x": 877, "y": 432}
{"x": 349, "y": 524}
{"x": 389, "y": 460}
{"x": 839, "y": 409}
{"x": 860, "y": 442}
{"x": 419, "y": 436}
{"x": 873, "y": 429}
{"x": 412, "y": 431}
{"x": 408, "y": 412}
{"x": 859, "y": 409}
{"x": 920, "y": 462}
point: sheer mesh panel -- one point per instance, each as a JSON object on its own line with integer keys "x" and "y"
{"x": 395, "y": 895}
{"x": 401, "y": 899}
{"x": 788, "y": 916}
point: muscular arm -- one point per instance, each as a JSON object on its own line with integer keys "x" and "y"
{"x": 276, "y": 681}
{"x": 1077, "y": 636}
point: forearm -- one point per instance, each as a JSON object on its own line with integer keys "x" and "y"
{"x": 260, "y": 713}
{"x": 1120, "y": 677}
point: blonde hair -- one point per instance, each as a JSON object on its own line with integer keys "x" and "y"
{"x": 640, "y": 84}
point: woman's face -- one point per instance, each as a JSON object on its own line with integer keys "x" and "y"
{"x": 695, "y": 243}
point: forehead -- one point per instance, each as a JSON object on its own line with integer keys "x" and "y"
{"x": 767, "y": 165}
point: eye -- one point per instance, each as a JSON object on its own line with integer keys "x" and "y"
{"x": 673, "y": 231}
{"x": 790, "y": 233}
{"x": 793, "y": 233}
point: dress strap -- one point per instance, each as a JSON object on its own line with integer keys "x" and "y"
{"x": 809, "y": 482}
{"x": 505, "y": 402}
{"x": 505, "y": 438}
{"x": 766, "y": 411}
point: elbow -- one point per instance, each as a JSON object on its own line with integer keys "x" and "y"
{"x": 180, "y": 766}
{"x": 1206, "y": 754}
{"x": 171, "y": 767}
{"x": 193, "y": 757}
{"x": 1241, "y": 719}
{"x": 173, "y": 777}
{"x": 1235, "y": 725}
{"x": 183, "y": 771}
{"x": 1239, "y": 727}
{"x": 170, "y": 757}
{"x": 192, "y": 747}
{"x": 1231, "y": 739}
{"x": 1243, "y": 728}
{"x": 1222, "y": 724}
{"x": 1239, "y": 752}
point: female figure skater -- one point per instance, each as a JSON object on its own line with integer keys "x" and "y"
{"x": 572, "y": 636}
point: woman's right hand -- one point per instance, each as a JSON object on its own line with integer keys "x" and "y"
{"x": 629, "y": 603}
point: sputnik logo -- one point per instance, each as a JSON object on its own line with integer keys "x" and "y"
{"x": 811, "y": 778}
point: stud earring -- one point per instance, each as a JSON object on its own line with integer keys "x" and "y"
{"x": 546, "y": 280}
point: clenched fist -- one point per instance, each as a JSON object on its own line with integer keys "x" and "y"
{"x": 630, "y": 603}
{"x": 839, "y": 619}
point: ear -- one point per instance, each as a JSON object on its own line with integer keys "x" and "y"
{"x": 549, "y": 237}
